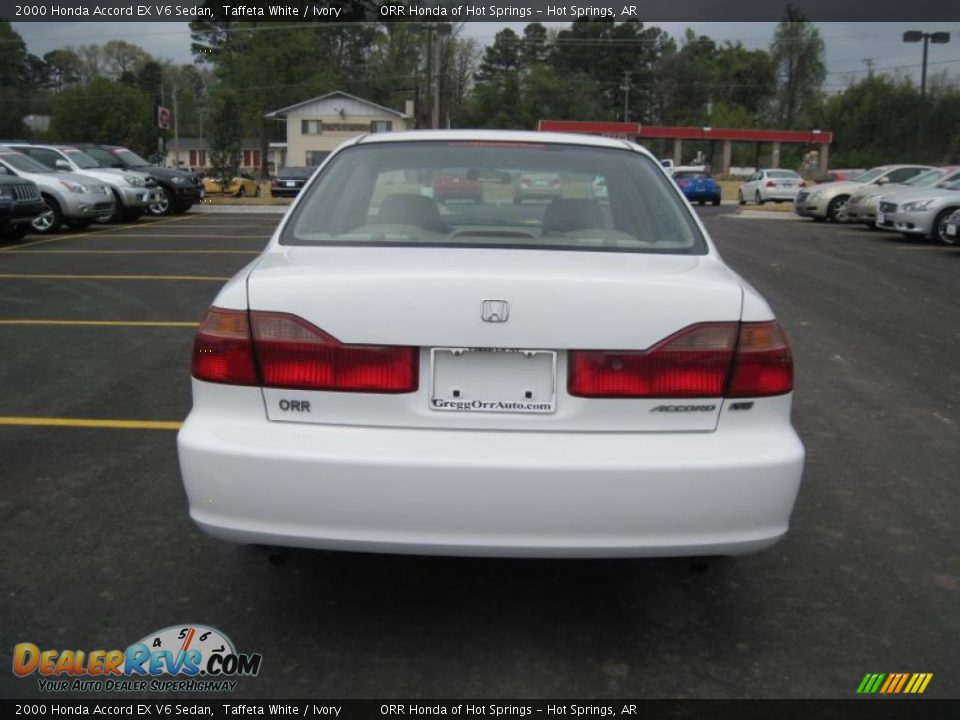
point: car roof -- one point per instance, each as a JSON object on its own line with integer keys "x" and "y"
{"x": 511, "y": 136}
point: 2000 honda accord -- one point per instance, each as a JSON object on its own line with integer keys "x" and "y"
{"x": 570, "y": 377}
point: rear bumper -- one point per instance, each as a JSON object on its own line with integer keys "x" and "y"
{"x": 779, "y": 195}
{"x": 487, "y": 493}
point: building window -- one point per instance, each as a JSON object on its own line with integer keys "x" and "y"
{"x": 315, "y": 157}
{"x": 311, "y": 127}
{"x": 198, "y": 158}
{"x": 251, "y": 158}
{"x": 379, "y": 126}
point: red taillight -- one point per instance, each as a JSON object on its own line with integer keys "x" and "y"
{"x": 292, "y": 353}
{"x": 803, "y": 183}
{"x": 692, "y": 363}
{"x": 682, "y": 183}
{"x": 222, "y": 352}
{"x": 274, "y": 183}
{"x": 771, "y": 183}
{"x": 705, "y": 360}
{"x": 764, "y": 365}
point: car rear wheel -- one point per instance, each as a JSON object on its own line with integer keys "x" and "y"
{"x": 50, "y": 220}
{"x": 758, "y": 198}
{"x": 740, "y": 197}
{"x": 241, "y": 192}
{"x": 940, "y": 229}
{"x": 715, "y": 202}
{"x": 835, "y": 207}
{"x": 256, "y": 193}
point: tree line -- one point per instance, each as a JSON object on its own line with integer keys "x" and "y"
{"x": 592, "y": 69}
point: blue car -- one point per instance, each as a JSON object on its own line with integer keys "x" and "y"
{"x": 698, "y": 186}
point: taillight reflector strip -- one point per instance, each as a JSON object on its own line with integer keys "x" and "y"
{"x": 221, "y": 349}
{"x": 694, "y": 362}
{"x": 279, "y": 350}
{"x": 292, "y": 353}
{"x": 763, "y": 365}
{"x": 706, "y": 360}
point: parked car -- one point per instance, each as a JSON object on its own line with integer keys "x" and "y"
{"x": 828, "y": 202}
{"x": 133, "y": 191}
{"x": 457, "y": 186}
{"x": 840, "y": 175}
{"x": 537, "y": 186}
{"x": 69, "y": 198}
{"x": 921, "y": 212}
{"x": 770, "y": 185}
{"x": 697, "y": 186}
{"x": 242, "y": 185}
{"x": 863, "y": 205}
{"x": 179, "y": 190}
{"x": 290, "y": 181}
{"x": 951, "y": 229}
{"x": 20, "y": 204}
{"x": 473, "y": 349}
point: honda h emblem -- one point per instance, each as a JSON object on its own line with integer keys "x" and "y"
{"x": 495, "y": 310}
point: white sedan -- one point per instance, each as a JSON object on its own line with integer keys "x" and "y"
{"x": 566, "y": 379}
{"x": 770, "y": 185}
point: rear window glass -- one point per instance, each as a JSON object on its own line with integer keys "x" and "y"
{"x": 691, "y": 176}
{"x": 494, "y": 194}
{"x": 782, "y": 174}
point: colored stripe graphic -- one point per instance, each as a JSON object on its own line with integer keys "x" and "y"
{"x": 894, "y": 683}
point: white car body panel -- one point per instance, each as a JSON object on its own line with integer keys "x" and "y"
{"x": 598, "y": 477}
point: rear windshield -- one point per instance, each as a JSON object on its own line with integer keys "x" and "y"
{"x": 691, "y": 176}
{"x": 494, "y": 194}
{"x": 782, "y": 174}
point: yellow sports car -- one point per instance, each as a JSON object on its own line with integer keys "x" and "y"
{"x": 239, "y": 186}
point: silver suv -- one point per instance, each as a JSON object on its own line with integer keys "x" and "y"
{"x": 828, "y": 201}
{"x": 133, "y": 191}
{"x": 72, "y": 198}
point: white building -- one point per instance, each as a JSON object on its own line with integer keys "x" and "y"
{"x": 319, "y": 125}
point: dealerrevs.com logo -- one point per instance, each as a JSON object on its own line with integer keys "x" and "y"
{"x": 184, "y": 658}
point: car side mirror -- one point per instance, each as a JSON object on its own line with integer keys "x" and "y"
{"x": 62, "y": 165}
{"x": 882, "y": 181}
{"x": 3, "y": 170}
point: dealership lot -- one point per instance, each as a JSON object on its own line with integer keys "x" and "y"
{"x": 99, "y": 550}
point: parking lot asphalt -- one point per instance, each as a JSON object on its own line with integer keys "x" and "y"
{"x": 96, "y": 329}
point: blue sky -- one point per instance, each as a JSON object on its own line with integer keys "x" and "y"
{"x": 848, "y": 44}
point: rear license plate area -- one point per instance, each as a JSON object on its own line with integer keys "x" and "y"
{"x": 493, "y": 380}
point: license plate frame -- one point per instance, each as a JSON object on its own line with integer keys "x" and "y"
{"x": 509, "y": 396}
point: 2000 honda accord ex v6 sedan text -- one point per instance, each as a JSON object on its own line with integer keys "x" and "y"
{"x": 578, "y": 376}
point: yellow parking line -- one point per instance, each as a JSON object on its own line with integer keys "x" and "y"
{"x": 133, "y": 252}
{"x": 39, "y": 276}
{"x": 101, "y": 323}
{"x": 90, "y": 233}
{"x": 90, "y": 423}
{"x": 150, "y": 236}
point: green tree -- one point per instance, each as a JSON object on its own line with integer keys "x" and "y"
{"x": 13, "y": 54}
{"x": 104, "y": 111}
{"x": 225, "y": 137}
{"x": 798, "y": 57}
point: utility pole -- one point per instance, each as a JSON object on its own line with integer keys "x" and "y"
{"x": 869, "y": 63}
{"x": 435, "y": 82}
{"x": 939, "y": 38}
{"x": 176, "y": 130}
{"x": 626, "y": 96}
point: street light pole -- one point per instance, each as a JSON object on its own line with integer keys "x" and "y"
{"x": 939, "y": 38}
